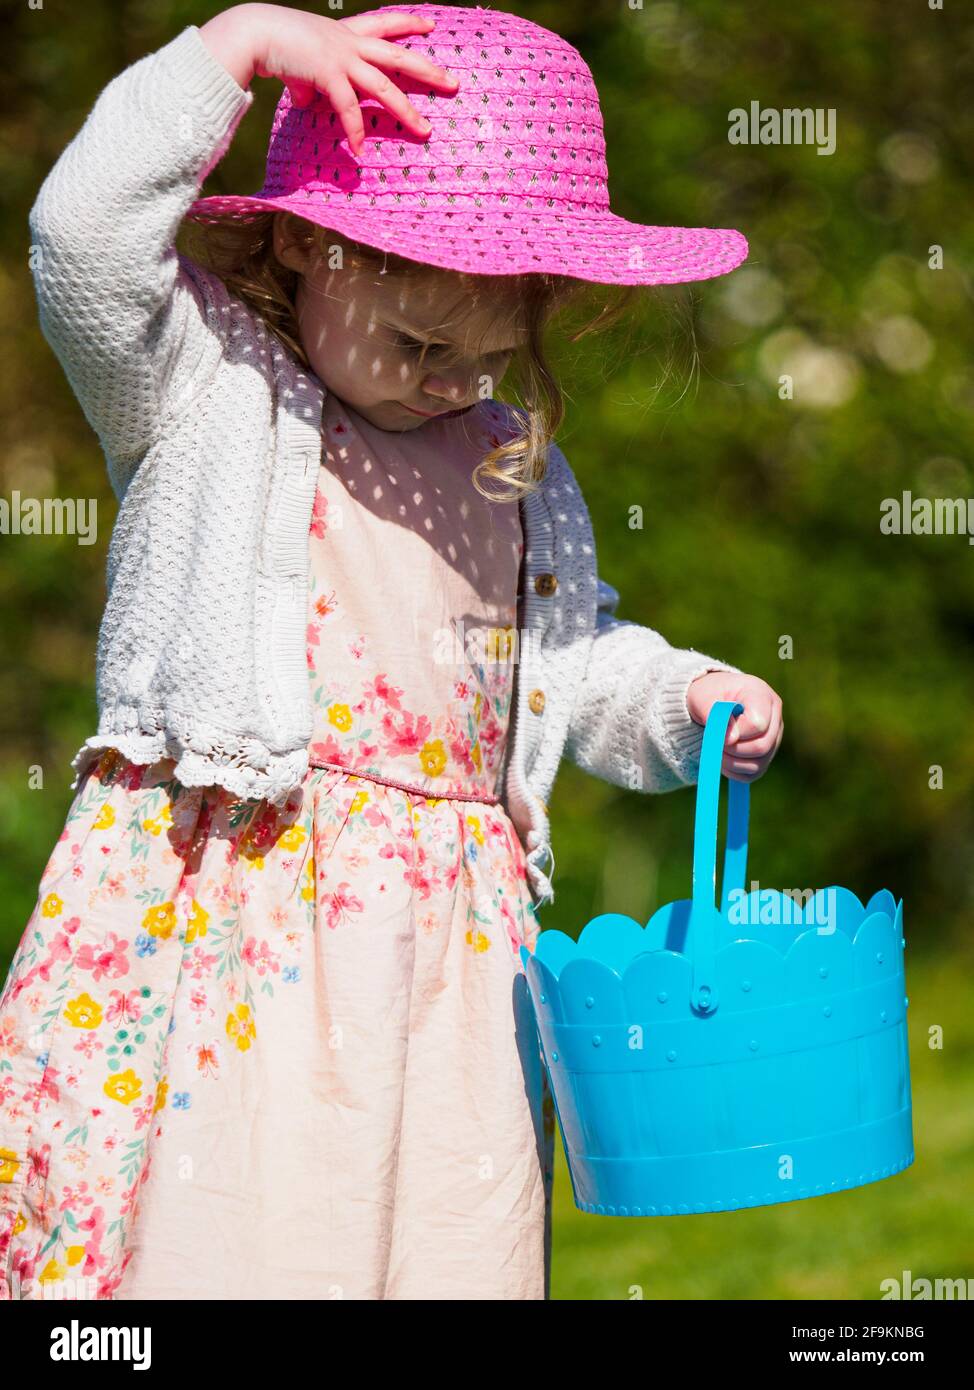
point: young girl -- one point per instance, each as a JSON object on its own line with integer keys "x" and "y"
{"x": 265, "y": 1035}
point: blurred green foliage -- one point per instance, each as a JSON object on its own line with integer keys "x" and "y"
{"x": 760, "y": 515}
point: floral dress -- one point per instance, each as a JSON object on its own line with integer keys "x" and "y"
{"x": 249, "y": 1052}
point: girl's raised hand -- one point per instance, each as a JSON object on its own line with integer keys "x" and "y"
{"x": 341, "y": 58}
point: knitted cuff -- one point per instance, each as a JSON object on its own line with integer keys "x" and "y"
{"x": 684, "y": 735}
{"x": 210, "y": 91}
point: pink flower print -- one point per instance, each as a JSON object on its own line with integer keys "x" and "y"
{"x": 460, "y": 751}
{"x": 380, "y": 692}
{"x": 507, "y": 916}
{"x": 422, "y": 877}
{"x": 355, "y": 859}
{"x": 199, "y": 963}
{"x": 497, "y": 830}
{"x": 319, "y": 514}
{"x": 489, "y": 736}
{"x": 95, "y": 1223}
{"x": 200, "y": 1006}
{"x": 107, "y": 959}
{"x": 75, "y": 1197}
{"x": 88, "y": 1044}
{"x": 261, "y": 957}
{"x": 340, "y": 903}
{"x": 409, "y": 735}
{"x": 112, "y": 1140}
{"x": 45, "y": 1089}
{"x": 327, "y": 751}
{"x": 59, "y": 950}
{"x": 38, "y": 1166}
{"x": 143, "y": 1113}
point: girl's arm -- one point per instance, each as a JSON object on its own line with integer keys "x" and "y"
{"x": 631, "y": 725}
{"x": 123, "y": 316}
{"x": 114, "y": 303}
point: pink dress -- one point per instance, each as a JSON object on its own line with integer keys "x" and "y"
{"x": 288, "y": 1054}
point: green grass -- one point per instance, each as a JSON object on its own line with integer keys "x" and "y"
{"x": 836, "y": 1247}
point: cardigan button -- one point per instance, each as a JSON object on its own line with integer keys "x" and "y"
{"x": 536, "y": 701}
{"x": 545, "y": 584}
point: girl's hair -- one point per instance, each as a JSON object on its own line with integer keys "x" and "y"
{"x": 241, "y": 252}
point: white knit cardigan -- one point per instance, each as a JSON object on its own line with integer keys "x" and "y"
{"x": 211, "y": 433}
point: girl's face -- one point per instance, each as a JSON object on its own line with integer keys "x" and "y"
{"x": 399, "y": 352}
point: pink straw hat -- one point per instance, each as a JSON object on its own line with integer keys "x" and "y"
{"x": 512, "y": 177}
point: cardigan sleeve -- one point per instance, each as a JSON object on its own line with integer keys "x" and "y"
{"x": 122, "y": 315}
{"x": 630, "y": 725}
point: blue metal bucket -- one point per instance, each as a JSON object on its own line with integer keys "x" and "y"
{"x": 740, "y": 1057}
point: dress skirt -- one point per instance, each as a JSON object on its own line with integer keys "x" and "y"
{"x": 256, "y": 1054}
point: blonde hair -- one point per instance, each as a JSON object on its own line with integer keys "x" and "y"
{"x": 241, "y": 252}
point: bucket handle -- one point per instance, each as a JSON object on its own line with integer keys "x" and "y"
{"x": 704, "y": 915}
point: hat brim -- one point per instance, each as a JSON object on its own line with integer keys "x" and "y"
{"x": 596, "y": 245}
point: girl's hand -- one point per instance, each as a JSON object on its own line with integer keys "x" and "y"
{"x": 310, "y": 54}
{"x": 752, "y": 737}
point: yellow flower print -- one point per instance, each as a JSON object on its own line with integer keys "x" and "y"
{"x": 479, "y": 700}
{"x": 20, "y": 1224}
{"x": 308, "y": 891}
{"x": 478, "y": 940}
{"x": 160, "y": 921}
{"x": 52, "y": 1272}
{"x": 51, "y": 906}
{"x": 293, "y": 837}
{"x": 196, "y": 925}
{"x": 125, "y": 1087}
{"x": 340, "y": 716}
{"x": 9, "y": 1163}
{"x": 475, "y": 830}
{"x": 358, "y": 801}
{"x": 75, "y": 1254}
{"x": 161, "y": 1094}
{"x": 241, "y": 1027}
{"x": 83, "y": 1012}
{"x": 433, "y": 801}
{"x": 432, "y": 757}
{"x": 476, "y": 757}
{"x": 105, "y": 818}
{"x": 156, "y": 824}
